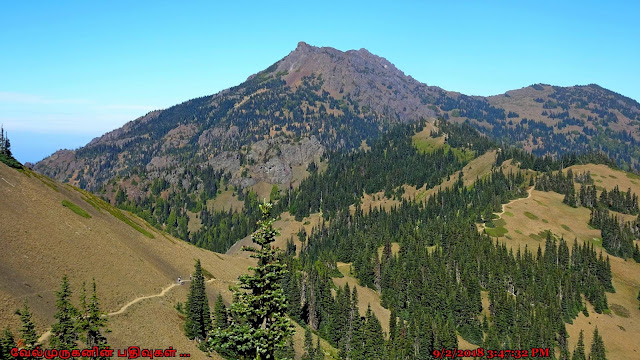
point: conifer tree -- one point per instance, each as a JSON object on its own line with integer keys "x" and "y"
{"x": 7, "y": 147}
{"x": 63, "y": 332}
{"x": 7, "y": 342}
{"x": 392, "y": 324}
{"x": 308, "y": 345}
{"x": 373, "y": 336}
{"x": 319, "y": 354}
{"x": 287, "y": 352}
{"x": 28, "y": 334}
{"x": 198, "y": 318}
{"x": 578, "y": 353}
{"x": 2, "y": 141}
{"x": 597, "y": 347}
{"x": 220, "y": 317}
{"x": 5, "y": 151}
{"x": 258, "y": 325}
{"x": 91, "y": 321}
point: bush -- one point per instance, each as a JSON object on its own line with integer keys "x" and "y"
{"x": 10, "y": 161}
{"x": 76, "y": 209}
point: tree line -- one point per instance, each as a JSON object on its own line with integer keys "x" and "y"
{"x": 6, "y": 156}
{"x": 617, "y": 235}
{"x": 74, "y": 326}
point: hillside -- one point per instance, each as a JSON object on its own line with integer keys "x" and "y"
{"x": 285, "y": 121}
{"x": 546, "y": 119}
{"x": 523, "y": 222}
{"x": 417, "y": 248}
{"x": 312, "y": 99}
{"x": 134, "y": 265}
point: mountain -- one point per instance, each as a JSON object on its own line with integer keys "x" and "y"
{"x": 316, "y": 99}
{"x": 546, "y": 119}
{"x": 313, "y": 99}
{"x": 435, "y": 221}
{"x": 177, "y": 167}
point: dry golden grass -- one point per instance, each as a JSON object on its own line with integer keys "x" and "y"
{"x": 225, "y": 201}
{"x": 465, "y": 345}
{"x": 521, "y": 101}
{"x": 547, "y": 212}
{"x": 262, "y": 189}
{"x": 194, "y": 222}
{"x": 375, "y": 201}
{"x": 42, "y": 241}
{"x": 395, "y": 247}
{"x": 287, "y": 226}
{"x": 541, "y": 207}
{"x": 608, "y": 178}
{"x": 485, "y": 303}
{"x": 364, "y": 146}
{"x": 366, "y": 296}
{"x": 298, "y": 173}
{"x": 509, "y": 167}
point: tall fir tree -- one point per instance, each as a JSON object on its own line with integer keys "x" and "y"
{"x": 5, "y": 151}
{"x": 220, "y": 316}
{"x": 373, "y": 336}
{"x": 308, "y": 345}
{"x": 319, "y": 354}
{"x": 287, "y": 352}
{"x": 91, "y": 321}
{"x": 198, "y": 317}
{"x": 63, "y": 332}
{"x": 597, "y": 347}
{"x": 28, "y": 335}
{"x": 578, "y": 353}
{"x": 259, "y": 325}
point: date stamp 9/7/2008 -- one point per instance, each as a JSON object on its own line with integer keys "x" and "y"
{"x": 491, "y": 354}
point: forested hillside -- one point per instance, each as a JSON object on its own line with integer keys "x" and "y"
{"x": 554, "y": 120}
{"x": 322, "y": 132}
{"x": 435, "y": 283}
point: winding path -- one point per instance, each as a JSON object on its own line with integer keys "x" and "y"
{"x": 124, "y": 308}
{"x": 138, "y": 299}
{"x": 529, "y": 191}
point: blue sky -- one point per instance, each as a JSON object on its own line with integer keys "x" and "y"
{"x": 71, "y": 71}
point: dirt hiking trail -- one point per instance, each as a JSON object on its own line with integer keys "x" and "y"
{"x": 529, "y": 191}
{"x": 124, "y": 308}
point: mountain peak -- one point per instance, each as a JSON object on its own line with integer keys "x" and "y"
{"x": 303, "y": 46}
{"x": 359, "y": 74}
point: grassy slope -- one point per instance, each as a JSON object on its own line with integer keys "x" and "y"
{"x": 366, "y": 296}
{"x": 476, "y": 168}
{"x": 42, "y": 241}
{"x": 423, "y": 140}
{"x": 287, "y": 226}
{"x": 619, "y": 332}
{"x": 549, "y": 213}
